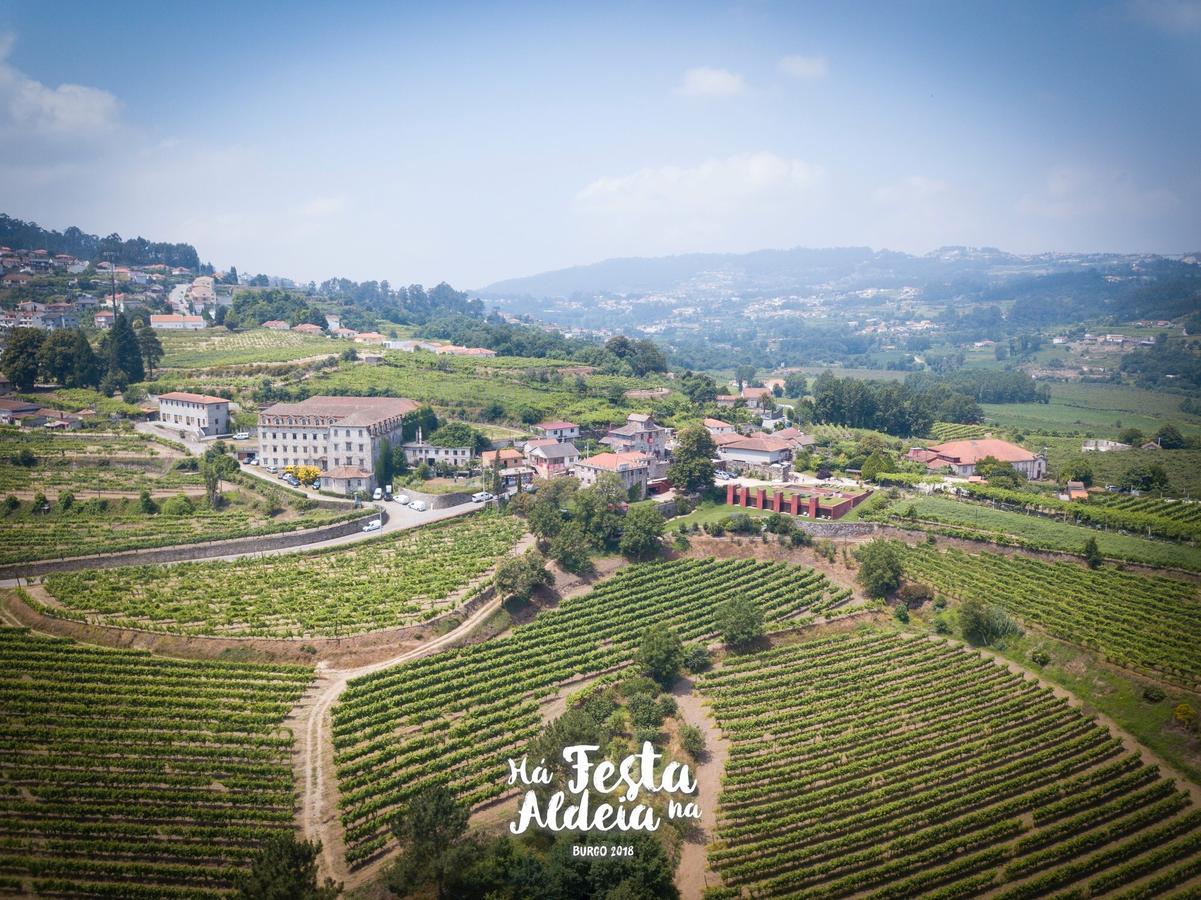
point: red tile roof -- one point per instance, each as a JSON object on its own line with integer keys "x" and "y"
{"x": 970, "y": 452}
{"x": 191, "y": 398}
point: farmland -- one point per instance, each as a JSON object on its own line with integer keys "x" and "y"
{"x": 1183, "y": 467}
{"x": 1101, "y": 409}
{"x": 130, "y": 775}
{"x": 1139, "y": 622}
{"x": 975, "y": 520}
{"x": 383, "y": 583}
{"x": 876, "y": 765}
{"x": 219, "y": 347}
{"x": 457, "y": 714}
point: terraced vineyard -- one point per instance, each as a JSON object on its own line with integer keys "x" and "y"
{"x": 881, "y": 766}
{"x": 219, "y": 347}
{"x": 383, "y": 583}
{"x": 1137, "y": 621}
{"x": 460, "y": 713}
{"x": 127, "y": 775}
{"x": 954, "y": 431}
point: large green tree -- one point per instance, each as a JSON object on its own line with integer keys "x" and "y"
{"x": 285, "y": 869}
{"x": 692, "y": 467}
{"x": 56, "y": 356}
{"x": 879, "y": 567}
{"x": 740, "y": 621}
{"x": 85, "y": 370}
{"x": 429, "y": 828}
{"x": 642, "y": 532}
{"x": 660, "y": 654}
{"x": 519, "y": 576}
{"x": 150, "y": 347}
{"x": 20, "y": 361}
{"x": 124, "y": 354}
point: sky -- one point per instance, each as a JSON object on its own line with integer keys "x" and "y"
{"x": 476, "y": 142}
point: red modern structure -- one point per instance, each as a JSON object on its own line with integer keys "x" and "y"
{"x": 812, "y": 503}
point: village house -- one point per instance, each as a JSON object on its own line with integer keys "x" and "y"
{"x": 631, "y": 469}
{"x": 12, "y": 410}
{"x": 104, "y": 318}
{"x": 727, "y": 400}
{"x": 962, "y": 456}
{"x": 421, "y": 451}
{"x": 560, "y": 431}
{"x": 796, "y": 438}
{"x": 176, "y": 322}
{"x": 200, "y": 414}
{"x": 1100, "y": 445}
{"x": 717, "y": 426}
{"x": 756, "y": 450}
{"x": 308, "y": 328}
{"x": 369, "y": 337}
{"x": 756, "y": 397}
{"x": 553, "y": 460}
{"x": 507, "y": 456}
{"x": 341, "y": 436}
{"x": 640, "y": 434}
{"x": 276, "y": 325}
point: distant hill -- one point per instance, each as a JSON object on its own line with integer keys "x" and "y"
{"x": 20, "y": 235}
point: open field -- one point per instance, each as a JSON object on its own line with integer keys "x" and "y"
{"x": 1099, "y": 409}
{"x": 1183, "y": 467}
{"x": 219, "y": 347}
{"x": 383, "y": 583}
{"x": 965, "y": 519}
{"x": 1139, "y": 622}
{"x": 876, "y": 765}
{"x": 457, "y": 715}
{"x": 128, "y": 775}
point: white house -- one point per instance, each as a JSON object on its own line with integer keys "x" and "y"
{"x": 757, "y": 450}
{"x": 632, "y": 469}
{"x": 640, "y": 434}
{"x": 177, "y": 322}
{"x": 201, "y": 414}
{"x": 560, "y": 431}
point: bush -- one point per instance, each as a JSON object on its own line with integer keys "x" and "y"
{"x": 1153, "y": 693}
{"x": 667, "y": 705}
{"x": 902, "y": 613}
{"x": 740, "y": 622}
{"x": 1185, "y": 716}
{"x": 66, "y": 500}
{"x": 645, "y": 712}
{"x": 941, "y": 625}
{"x": 660, "y": 654}
{"x": 178, "y": 505}
{"x": 642, "y": 735}
{"x": 692, "y": 741}
{"x": 1040, "y": 657}
{"x": 983, "y": 623}
{"x": 913, "y": 595}
{"x": 696, "y": 658}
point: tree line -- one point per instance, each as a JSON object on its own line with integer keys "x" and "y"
{"x": 137, "y": 251}
{"x": 124, "y": 355}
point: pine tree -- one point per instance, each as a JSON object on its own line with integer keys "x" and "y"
{"x": 124, "y": 355}
{"x": 151, "y": 349}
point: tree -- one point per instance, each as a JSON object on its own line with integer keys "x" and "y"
{"x": 598, "y": 510}
{"x": 286, "y": 869}
{"x": 691, "y": 470}
{"x": 699, "y": 387}
{"x": 875, "y": 465}
{"x": 1151, "y": 477}
{"x": 744, "y": 375}
{"x": 124, "y": 354}
{"x": 569, "y": 548}
{"x": 740, "y": 621}
{"x": 1092, "y": 554}
{"x": 85, "y": 371}
{"x": 879, "y": 567}
{"x": 214, "y": 466}
{"x": 983, "y": 623}
{"x": 660, "y": 654}
{"x": 20, "y": 358}
{"x": 429, "y": 828}
{"x": 56, "y": 356}
{"x": 1169, "y": 437}
{"x": 151, "y": 349}
{"x": 641, "y": 532}
{"x": 692, "y": 740}
{"x": 1131, "y": 436}
{"x": 1077, "y": 470}
{"x": 518, "y": 576}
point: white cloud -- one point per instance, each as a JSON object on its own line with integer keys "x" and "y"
{"x": 67, "y": 112}
{"x": 807, "y": 68}
{"x": 1078, "y": 192}
{"x": 706, "y": 81}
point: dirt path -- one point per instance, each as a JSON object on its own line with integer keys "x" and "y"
{"x": 692, "y": 873}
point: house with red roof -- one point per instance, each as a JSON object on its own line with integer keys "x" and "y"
{"x": 963, "y": 456}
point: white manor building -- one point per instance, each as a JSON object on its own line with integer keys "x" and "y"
{"x": 200, "y": 414}
{"x": 341, "y": 436}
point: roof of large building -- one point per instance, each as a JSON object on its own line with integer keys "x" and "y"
{"x": 17, "y": 405}
{"x": 716, "y": 423}
{"x": 185, "y": 397}
{"x": 345, "y": 410}
{"x": 547, "y": 426}
{"x": 490, "y": 456}
{"x": 970, "y": 452}
{"x": 347, "y": 472}
{"x": 613, "y": 462}
{"x": 763, "y": 444}
{"x": 555, "y": 451}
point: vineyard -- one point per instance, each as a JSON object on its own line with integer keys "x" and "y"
{"x": 886, "y": 767}
{"x": 383, "y": 583}
{"x": 954, "y": 431}
{"x": 1135, "y": 621}
{"x": 128, "y": 775}
{"x": 219, "y": 347}
{"x": 459, "y": 714}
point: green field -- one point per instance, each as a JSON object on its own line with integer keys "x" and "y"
{"x": 387, "y": 582}
{"x": 129, "y": 775}
{"x": 882, "y": 766}
{"x": 458, "y": 715}
{"x": 1183, "y": 467}
{"x": 220, "y": 347}
{"x": 1097, "y": 409}
{"x": 1139, "y": 622}
{"x": 965, "y": 519}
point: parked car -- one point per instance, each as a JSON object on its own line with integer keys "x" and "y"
{"x": 272, "y": 469}
{"x": 253, "y": 461}
{"x": 378, "y": 494}
{"x": 373, "y": 525}
{"x": 418, "y": 506}
{"x": 402, "y": 499}
{"x": 481, "y": 497}
{"x": 242, "y": 436}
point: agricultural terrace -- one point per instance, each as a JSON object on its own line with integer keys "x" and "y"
{"x": 1135, "y": 621}
{"x": 388, "y": 582}
{"x": 461, "y": 713}
{"x": 129, "y": 775}
{"x": 955, "y": 431}
{"x": 959, "y": 518}
{"x": 220, "y": 347}
{"x": 880, "y": 766}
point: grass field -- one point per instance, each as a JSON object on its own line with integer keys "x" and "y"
{"x": 1037, "y": 532}
{"x": 1183, "y": 467}
{"x": 128, "y": 775}
{"x": 383, "y": 583}
{"x": 880, "y": 766}
{"x": 458, "y": 715}
{"x": 219, "y": 347}
{"x": 1098, "y": 409}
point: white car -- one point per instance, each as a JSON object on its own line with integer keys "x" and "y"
{"x": 378, "y": 495}
{"x": 418, "y": 506}
{"x": 272, "y": 469}
{"x": 242, "y": 436}
{"x": 373, "y": 525}
{"x": 481, "y": 497}
{"x": 402, "y": 499}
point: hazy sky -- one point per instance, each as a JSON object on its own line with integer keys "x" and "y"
{"x": 477, "y": 142}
